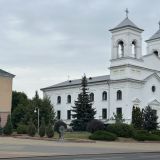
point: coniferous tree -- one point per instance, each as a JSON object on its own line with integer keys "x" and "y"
{"x": 83, "y": 112}
{"x": 150, "y": 119}
{"x": 137, "y": 118}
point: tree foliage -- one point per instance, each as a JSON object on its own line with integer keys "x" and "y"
{"x": 118, "y": 118}
{"x": 137, "y": 118}
{"x": 42, "y": 128}
{"x": 24, "y": 110}
{"x": 8, "y": 129}
{"x": 82, "y": 111}
{"x": 150, "y": 119}
{"x": 31, "y": 128}
{"x": 50, "y": 131}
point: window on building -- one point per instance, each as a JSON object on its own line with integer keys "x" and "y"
{"x": 155, "y": 52}
{"x": 134, "y": 49}
{"x": 92, "y": 97}
{"x": 58, "y": 114}
{"x": 104, "y": 96}
{"x": 69, "y": 99}
{"x": 59, "y": 100}
{"x": 153, "y": 88}
{"x": 104, "y": 113}
{"x": 119, "y": 95}
{"x": 120, "y": 49}
{"x": 154, "y": 112}
{"x": 68, "y": 114}
{"x": 119, "y": 111}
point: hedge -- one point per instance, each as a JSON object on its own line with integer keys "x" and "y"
{"x": 146, "y": 136}
{"x": 121, "y": 130}
{"x": 103, "y": 135}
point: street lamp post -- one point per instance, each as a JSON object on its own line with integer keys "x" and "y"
{"x": 37, "y": 111}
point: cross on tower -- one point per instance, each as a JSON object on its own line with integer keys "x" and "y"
{"x": 127, "y": 12}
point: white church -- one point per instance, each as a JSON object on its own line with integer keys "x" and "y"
{"x": 134, "y": 78}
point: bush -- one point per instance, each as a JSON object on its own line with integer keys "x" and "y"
{"x": 121, "y": 129}
{"x": 1, "y": 130}
{"x": 146, "y": 136}
{"x": 22, "y": 129}
{"x": 103, "y": 135}
{"x": 156, "y": 132}
{"x": 42, "y": 129}
{"x": 95, "y": 125}
{"x": 8, "y": 129}
{"x": 49, "y": 131}
{"x": 31, "y": 129}
{"x": 58, "y": 124}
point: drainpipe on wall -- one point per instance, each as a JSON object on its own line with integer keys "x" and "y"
{"x": 108, "y": 100}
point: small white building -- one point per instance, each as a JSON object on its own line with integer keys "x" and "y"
{"x": 134, "y": 78}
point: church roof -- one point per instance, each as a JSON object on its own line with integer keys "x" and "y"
{"x": 6, "y": 74}
{"x": 155, "y": 36}
{"x": 126, "y": 23}
{"x": 78, "y": 82}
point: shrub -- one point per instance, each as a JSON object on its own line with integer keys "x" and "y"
{"x": 22, "y": 129}
{"x": 58, "y": 124}
{"x": 142, "y": 136}
{"x": 49, "y": 131}
{"x": 95, "y": 125}
{"x": 42, "y": 129}
{"x": 103, "y": 135}
{"x": 1, "y": 130}
{"x": 8, "y": 129}
{"x": 121, "y": 129}
{"x": 31, "y": 129}
{"x": 156, "y": 132}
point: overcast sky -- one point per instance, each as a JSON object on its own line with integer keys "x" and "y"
{"x": 44, "y": 41}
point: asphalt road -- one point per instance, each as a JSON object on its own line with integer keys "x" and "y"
{"x": 122, "y": 156}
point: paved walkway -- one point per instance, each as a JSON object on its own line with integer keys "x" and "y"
{"x": 14, "y": 147}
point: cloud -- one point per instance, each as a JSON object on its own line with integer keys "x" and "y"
{"x": 44, "y": 41}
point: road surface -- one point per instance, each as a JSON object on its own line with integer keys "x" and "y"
{"x": 122, "y": 156}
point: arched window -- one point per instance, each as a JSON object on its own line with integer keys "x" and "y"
{"x": 155, "y": 52}
{"x": 119, "y": 95}
{"x": 59, "y": 100}
{"x": 120, "y": 49}
{"x": 92, "y": 97}
{"x": 69, "y": 99}
{"x": 104, "y": 96}
{"x": 134, "y": 48}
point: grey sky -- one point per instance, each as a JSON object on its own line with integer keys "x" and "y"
{"x": 44, "y": 41}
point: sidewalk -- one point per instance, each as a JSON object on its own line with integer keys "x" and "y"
{"x": 14, "y": 147}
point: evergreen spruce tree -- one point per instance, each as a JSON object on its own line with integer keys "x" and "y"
{"x": 137, "y": 118}
{"x": 8, "y": 128}
{"x": 150, "y": 119}
{"x": 82, "y": 111}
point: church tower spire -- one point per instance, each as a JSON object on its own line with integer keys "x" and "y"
{"x": 126, "y": 40}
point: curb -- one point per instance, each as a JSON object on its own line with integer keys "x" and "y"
{"x": 78, "y": 155}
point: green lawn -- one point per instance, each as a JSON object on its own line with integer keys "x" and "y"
{"x": 74, "y": 135}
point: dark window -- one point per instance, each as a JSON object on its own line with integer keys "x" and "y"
{"x": 154, "y": 112}
{"x": 119, "y": 95}
{"x": 153, "y": 88}
{"x": 104, "y": 113}
{"x": 69, "y": 99}
{"x": 104, "y": 96}
{"x": 58, "y": 114}
{"x": 68, "y": 114}
{"x": 58, "y": 99}
{"x": 91, "y": 97}
{"x": 134, "y": 49}
{"x": 119, "y": 111}
{"x": 155, "y": 52}
{"x": 120, "y": 49}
